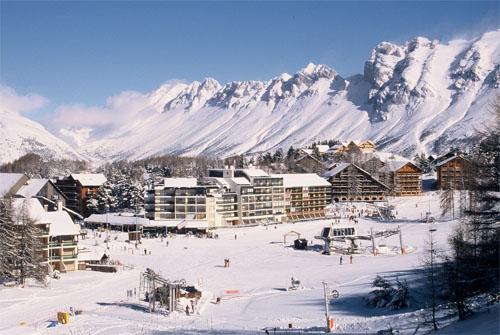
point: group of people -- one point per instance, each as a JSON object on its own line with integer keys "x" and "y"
{"x": 131, "y": 293}
{"x": 341, "y": 259}
{"x": 226, "y": 262}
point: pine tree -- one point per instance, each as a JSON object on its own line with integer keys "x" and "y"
{"x": 290, "y": 154}
{"x": 432, "y": 275}
{"x": 7, "y": 240}
{"x": 29, "y": 250}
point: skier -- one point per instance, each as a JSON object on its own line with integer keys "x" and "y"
{"x": 235, "y": 236}
{"x": 145, "y": 252}
{"x": 167, "y": 243}
{"x": 187, "y": 309}
{"x": 340, "y": 260}
{"x": 350, "y": 259}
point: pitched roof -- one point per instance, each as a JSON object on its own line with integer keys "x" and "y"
{"x": 307, "y": 151}
{"x": 338, "y": 168}
{"x": 308, "y": 156}
{"x": 450, "y": 159}
{"x": 91, "y": 254}
{"x": 301, "y": 180}
{"x": 32, "y": 187}
{"x": 89, "y": 179}
{"x": 342, "y": 166}
{"x": 8, "y": 181}
{"x": 60, "y": 223}
{"x": 392, "y": 161}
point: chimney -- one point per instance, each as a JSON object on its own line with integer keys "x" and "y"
{"x": 59, "y": 206}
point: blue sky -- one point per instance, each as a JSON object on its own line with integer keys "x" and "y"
{"x": 83, "y": 52}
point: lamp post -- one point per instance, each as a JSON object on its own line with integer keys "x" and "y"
{"x": 332, "y": 295}
{"x": 433, "y": 288}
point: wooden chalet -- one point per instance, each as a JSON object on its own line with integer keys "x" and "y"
{"x": 453, "y": 173}
{"x": 402, "y": 176}
{"x": 308, "y": 164}
{"x": 352, "y": 183}
{"x": 355, "y": 146}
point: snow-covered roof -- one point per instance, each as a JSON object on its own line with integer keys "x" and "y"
{"x": 8, "y": 181}
{"x": 240, "y": 181}
{"x": 301, "y": 180}
{"x": 308, "y": 156}
{"x": 307, "y": 151}
{"x": 450, "y": 159}
{"x": 32, "y": 206}
{"x": 89, "y": 179}
{"x": 322, "y": 148}
{"x": 254, "y": 172}
{"x": 222, "y": 182}
{"x": 31, "y": 187}
{"x": 116, "y": 220}
{"x": 393, "y": 162}
{"x": 180, "y": 182}
{"x": 336, "y": 169}
{"x": 93, "y": 254}
{"x": 193, "y": 224}
{"x": 60, "y": 223}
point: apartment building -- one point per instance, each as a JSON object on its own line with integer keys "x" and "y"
{"x": 177, "y": 198}
{"x": 260, "y": 196}
{"x": 58, "y": 234}
{"x": 78, "y": 188}
{"x": 306, "y": 195}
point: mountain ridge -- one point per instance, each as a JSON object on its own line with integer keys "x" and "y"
{"x": 420, "y": 96}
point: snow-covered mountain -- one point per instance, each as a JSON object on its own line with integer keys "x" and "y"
{"x": 420, "y": 96}
{"x": 20, "y": 135}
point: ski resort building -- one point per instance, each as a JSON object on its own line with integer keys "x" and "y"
{"x": 260, "y": 196}
{"x": 78, "y": 188}
{"x": 352, "y": 183}
{"x": 402, "y": 176}
{"x": 306, "y": 195}
{"x": 177, "y": 198}
{"x": 453, "y": 173}
{"x": 58, "y": 234}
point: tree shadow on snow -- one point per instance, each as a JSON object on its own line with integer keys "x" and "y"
{"x": 130, "y": 305}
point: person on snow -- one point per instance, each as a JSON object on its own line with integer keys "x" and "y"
{"x": 187, "y": 309}
{"x": 235, "y": 236}
{"x": 145, "y": 252}
{"x": 350, "y": 259}
{"x": 340, "y": 260}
